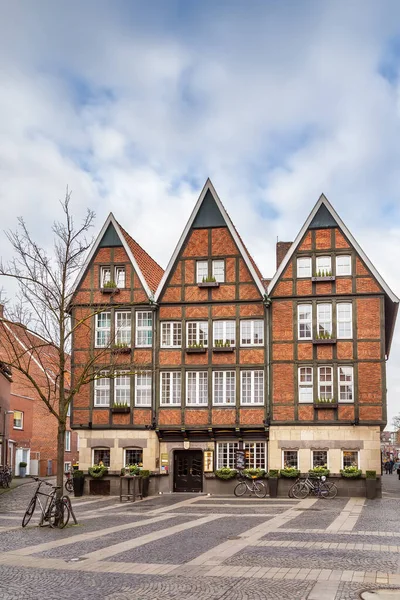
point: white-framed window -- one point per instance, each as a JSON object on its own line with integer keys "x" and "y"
{"x": 101, "y": 455}
{"x": 201, "y": 270}
{"x": 304, "y": 320}
{"x": 120, "y": 277}
{"x": 252, "y": 332}
{"x": 67, "y": 467}
{"x": 224, "y": 387}
{"x": 133, "y": 456}
{"x": 67, "y": 441}
{"x": 350, "y": 458}
{"x": 77, "y": 442}
{"x": 224, "y": 332}
{"x": 196, "y": 388}
{"x": 346, "y": 384}
{"x": 69, "y": 410}
{"x": 122, "y": 388}
{"x": 252, "y": 387}
{"x": 143, "y": 389}
{"x": 226, "y": 453}
{"x": 324, "y": 319}
{"x": 304, "y": 267}
{"x": 324, "y": 266}
{"x": 171, "y": 388}
{"x": 255, "y": 455}
{"x": 319, "y": 458}
{"x": 18, "y": 419}
{"x": 218, "y": 270}
{"x": 105, "y": 275}
{"x": 343, "y": 265}
{"x": 103, "y": 329}
{"x": 171, "y": 334}
{"x": 102, "y": 389}
{"x": 197, "y": 333}
{"x": 290, "y": 458}
{"x": 325, "y": 383}
{"x": 123, "y": 326}
{"x": 305, "y": 384}
{"x": 344, "y": 320}
{"x": 144, "y": 328}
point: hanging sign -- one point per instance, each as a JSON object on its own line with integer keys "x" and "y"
{"x": 239, "y": 460}
{"x": 164, "y": 462}
{"x": 208, "y": 466}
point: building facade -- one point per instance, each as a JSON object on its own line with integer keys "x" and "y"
{"x": 209, "y": 357}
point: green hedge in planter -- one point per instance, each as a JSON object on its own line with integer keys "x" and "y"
{"x": 78, "y": 474}
{"x": 351, "y": 472}
{"x": 273, "y": 473}
{"x": 144, "y": 473}
{"x": 97, "y": 471}
{"x": 370, "y": 474}
{"x": 289, "y": 472}
{"x": 254, "y": 473}
{"x": 225, "y": 473}
{"x": 319, "y": 471}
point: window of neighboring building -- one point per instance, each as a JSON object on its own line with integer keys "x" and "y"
{"x": 171, "y": 334}
{"x": 251, "y": 332}
{"x": 101, "y": 454}
{"x": 324, "y": 265}
{"x": 197, "y": 333}
{"x": 218, "y": 270}
{"x": 144, "y": 328}
{"x": 18, "y": 419}
{"x": 290, "y": 459}
{"x": 305, "y": 384}
{"x": 67, "y": 467}
{"x": 346, "y": 384}
{"x": 344, "y": 320}
{"x": 69, "y": 410}
{"x": 304, "y": 319}
{"x": 133, "y": 456}
{"x": 123, "y": 327}
{"x": 77, "y": 442}
{"x": 304, "y": 267}
{"x": 67, "y": 441}
{"x": 319, "y": 458}
{"x": 102, "y": 389}
{"x": 143, "y": 389}
{"x": 325, "y": 383}
{"x": 226, "y": 453}
{"x": 120, "y": 277}
{"x": 201, "y": 270}
{"x": 252, "y": 387}
{"x": 103, "y": 329}
{"x": 224, "y": 332}
{"x": 343, "y": 265}
{"x": 224, "y": 384}
{"x": 255, "y": 455}
{"x": 196, "y": 388}
{"x": 105, "y": 276}
{"x": 122, "y": 388}
{"x": 324, "y": 319}
{"x": 350, "y": 458}
{"x": 171, "y": 388}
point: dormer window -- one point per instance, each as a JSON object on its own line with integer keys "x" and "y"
{"x": 112, "y": 277}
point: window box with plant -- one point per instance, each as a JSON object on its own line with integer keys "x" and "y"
{"x": 324, "y": 338}
{"x": 289, "y": 472}
{"x": 221, "y": 346}
{"x": 323, "y": 275}
{"x": 120, "y": 348}
{"x": 352, "y": 472}
{"x": 325, "y": 403}
{"x": 109, "y": 287}
{"x": 225, "y": 474}
{"x": 196, "y": 349}
{"x": 98, "y": 471}
{"x": 321, "y": 471}
{"x": 122, "y": 408}
{"x": 254, "y": 473}
{"x": 208, "y": 282}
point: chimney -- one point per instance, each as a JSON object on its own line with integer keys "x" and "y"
{"x": 282, "y": 249}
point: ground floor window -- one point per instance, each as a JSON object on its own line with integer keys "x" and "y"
{"x": 101, "y": 454}
{"x": 319, "y": 458}
{"x": 350, "y": 458}
{"x": 290, "y": 458}
{"x": 133, "y": 456}
{"x": 226, "y": 454}
{"x": 255, "y": 455}
{"x": 67, "y": 467}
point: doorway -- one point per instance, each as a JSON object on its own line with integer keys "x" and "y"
{"x": 22, "y": 455}
{"x": 188, "y": 471}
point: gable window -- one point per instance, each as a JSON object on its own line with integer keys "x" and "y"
{"x": 123, "y": 327}
{"x": 201, "y": 270}
{"x": 346, "y": 384}
{"x": 122, "y": 388}
{"x": 252, "y": 388}
{"x": 319, "y": 458}
{"x": 18, "y": 419}
{"x": 343, "y": 265}
{"x": 133, "y": 456}
{"x": 120, "y": 277}
{"x": 218, "y": 270}
{"x": 196, "y": 388}
{"x": 304, "y": 267}
{"x": 305, "y": 384}
{"x": 101, "y": 455}
{"x": 255, "y": 455}
{"x": 143, "y": 389}
{"x": 324, "y": 266}
{"x": 290, "y": 459}
{"x": 226, "y": 454}
{"x": 144, "y": 328}
{"x": 251, "y": 333}
{"x": 171, "y": 334}
{"x": 102, "y": 389}
{"x": 224, "y": 333}
{"x": 325, "y": 383}
{"x": 171, "y": 388}
{"x": 344, "y": 320}
{"x": 350, "y": 458}
{"x": 224, "y": 384}
{"x": 197, "y": 333}
{"x": 103, "y": 329}
{"x": 324, "y": 319}
{"x": 67, "y": 441}
{"x": 304, "y": 313}
{"x": 105, "y": 275}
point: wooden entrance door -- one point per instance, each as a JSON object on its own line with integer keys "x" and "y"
{"x": 188, "y": 471}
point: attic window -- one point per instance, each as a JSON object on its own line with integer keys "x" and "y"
{"x": 343, "y": 265}
{"x": 304, "y": 267}
{"x": 118, "y": 278}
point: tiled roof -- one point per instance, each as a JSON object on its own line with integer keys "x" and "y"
{"x": 152, "y": 272}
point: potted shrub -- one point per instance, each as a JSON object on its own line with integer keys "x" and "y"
{"x": 225, "y": 473}
{"x": 22, "y": 469}
{"x": 352, "y": 472}
{"x": 370, "y": 484}
{"x": 144, "y": 480}
{"x": 273, "y": 476}
{"x": 78, "y": 481}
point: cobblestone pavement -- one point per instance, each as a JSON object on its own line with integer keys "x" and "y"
{"x": 194, "y": 547}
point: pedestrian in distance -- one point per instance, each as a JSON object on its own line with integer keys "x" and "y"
{"x": 387, "y": 465}
{"x": 391, "y": 465}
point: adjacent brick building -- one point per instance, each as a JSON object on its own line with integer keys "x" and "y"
{"x": 210, "y": 357}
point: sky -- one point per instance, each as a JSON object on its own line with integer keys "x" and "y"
{"x": 132, "y": 105}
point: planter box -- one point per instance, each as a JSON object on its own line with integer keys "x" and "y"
{"x": 273, "y": 487}
{"x": 126, "y": 350}
{"x": 325, "y": 278}
{"x": 322, "y": 341}
{"x": 120, "y": 409}
{"x": 371, "y": 488}
{"x": 224, "y": 349}
{"x": 208, "y": 284}
{"x": 109, "y": 290}
{"x": 79, "y": 484}
{"x": 196, "y": 350}
{"x": 325, "y": 404}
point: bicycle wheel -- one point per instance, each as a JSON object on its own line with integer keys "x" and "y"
{"x": 332, "y": 489}
{"x": 240, "y": 489}
{"x": 300, "y": 491}
{"x": 69, "y": 486}
{"x": 290, "y": 492}
{"x": 59, "y": 514}
{"x": 29, "y": 512}
{"x": 259, "y": 489}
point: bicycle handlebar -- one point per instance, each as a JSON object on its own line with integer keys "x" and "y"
{"x": 42, "y": 481}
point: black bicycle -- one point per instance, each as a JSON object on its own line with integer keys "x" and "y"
{"x": 5, "y": 476}
{"x": 69, "y": 484}
{"x": 55, "y": 511}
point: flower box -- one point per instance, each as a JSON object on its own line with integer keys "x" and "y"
{"x": 109, "y": 290}
{"x": 208, "y": 284}
{"x": 196, "y": 350}
{"x": 325, "y": 278}
{"x": 224, "y": 349}
{"x": 318, "y": 341}
{"x": 122, "y": 350}
{"x": 120, "y": 409}
{"x": 325, "y": 405}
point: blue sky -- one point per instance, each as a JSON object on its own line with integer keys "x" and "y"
{"x": 133, "y": 105}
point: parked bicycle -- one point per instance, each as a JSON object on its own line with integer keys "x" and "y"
{"x": 317, "y": 486}
{"x": 5, "y": 476}
{"x": 55, "y": 511}
{"x": 69, "y": 484}
{"x": 250, "y": 484}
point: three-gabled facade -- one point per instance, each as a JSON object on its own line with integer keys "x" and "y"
{"x": 209, "y": 357}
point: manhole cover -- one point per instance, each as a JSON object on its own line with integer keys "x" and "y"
{"x": 381, "y": 595}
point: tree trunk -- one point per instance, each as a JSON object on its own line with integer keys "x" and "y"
{"x": 60, "y": 457}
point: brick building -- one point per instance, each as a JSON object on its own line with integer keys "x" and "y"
{"x": 210, "y": 357}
